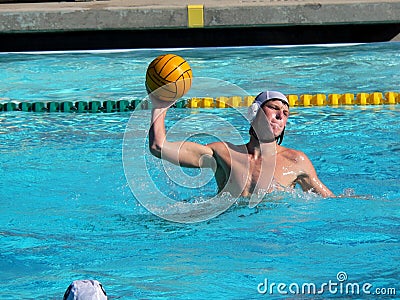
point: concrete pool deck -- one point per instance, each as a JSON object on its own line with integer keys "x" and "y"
{"x": 166, "y": 23}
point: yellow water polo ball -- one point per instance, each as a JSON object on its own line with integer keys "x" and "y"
{"x": 168, "y": 77}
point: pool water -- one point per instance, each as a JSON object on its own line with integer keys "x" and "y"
{"x": 118, "y": 75}
{"x": 67, "y": 212}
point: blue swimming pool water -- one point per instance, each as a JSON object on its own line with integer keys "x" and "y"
{"x": 66, "y": 210}
{"x": 297, "y": 70}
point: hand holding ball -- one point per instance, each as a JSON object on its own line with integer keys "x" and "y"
{"x": 168, "y": 77}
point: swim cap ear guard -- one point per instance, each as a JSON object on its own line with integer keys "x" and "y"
{"x": 252, "y": 111}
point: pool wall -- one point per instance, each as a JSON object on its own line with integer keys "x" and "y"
{"x": 82, "y": 25}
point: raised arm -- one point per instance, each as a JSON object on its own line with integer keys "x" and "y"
{"x": 309, "y": 180}
{"x": 183, "y": 153}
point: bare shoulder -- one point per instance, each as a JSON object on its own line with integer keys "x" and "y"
{"x": 298, "y": 162}
{"x": 293, "y": 155}
{"x": 297, "y": 159}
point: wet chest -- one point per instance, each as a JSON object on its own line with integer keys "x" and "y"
{"x": 286, "y": 171}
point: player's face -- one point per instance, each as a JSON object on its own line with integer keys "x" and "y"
{"x": 277, "y": 114}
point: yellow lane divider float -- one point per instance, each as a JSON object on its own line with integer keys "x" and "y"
{"x": 305, "y": 100}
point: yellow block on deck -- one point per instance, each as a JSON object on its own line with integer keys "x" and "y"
{"x": 195, "y": 16}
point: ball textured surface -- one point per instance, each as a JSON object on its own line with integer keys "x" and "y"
{"x": 168, "y": 77}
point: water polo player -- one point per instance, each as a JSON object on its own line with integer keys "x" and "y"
{"x": 241, "y": 170}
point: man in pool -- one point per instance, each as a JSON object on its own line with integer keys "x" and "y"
{"x": 261, "y": 164}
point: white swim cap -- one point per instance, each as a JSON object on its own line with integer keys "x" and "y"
{"x": 261, "y": 99}
{"x": 85, "y": 290}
